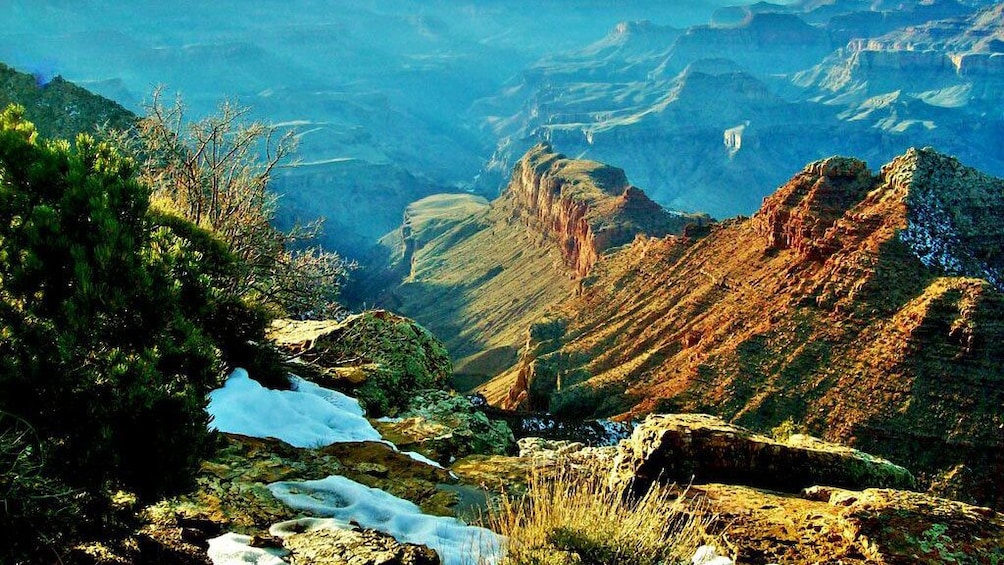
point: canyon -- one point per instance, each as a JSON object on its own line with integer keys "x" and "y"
{"x": 694, "y": 113}
{"x": 861, "y": 307}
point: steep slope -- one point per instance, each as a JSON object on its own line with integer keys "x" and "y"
{"x": 867, "y": 309}
{"x": 58, "y": 108}
{"x": 478, "y": 274}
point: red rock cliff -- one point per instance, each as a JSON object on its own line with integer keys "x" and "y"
{"x": 584, "y": 206}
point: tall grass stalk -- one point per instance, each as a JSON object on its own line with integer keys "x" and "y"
{"x": 569, "y": 515}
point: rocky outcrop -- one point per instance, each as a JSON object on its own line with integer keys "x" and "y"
{"x": 381, "y": 357}
{"x": 798, "y": 215}
{"x": 446, "y": 427}
{"x": 586, "y": 207}
{"x": 340, "y": 546}
{"x": 538, "y": 374}
{"x": 873, "y": 526}
{"x": 864, "y": 308}
{"x": 697, "y": 448}
{"x": 819, "y": 524}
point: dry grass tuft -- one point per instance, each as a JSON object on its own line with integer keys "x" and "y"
{"x": 569, "y": 516}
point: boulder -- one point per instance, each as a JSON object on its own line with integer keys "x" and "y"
{"x": 702, "y": 449}
{"x": 382, "y": 358}
{"x": 321, "y": 544}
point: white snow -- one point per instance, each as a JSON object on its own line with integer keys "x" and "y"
{"x": 307, "y": 416}
{"x": 346, "y": 500}
{"x": 422, "y": 458}
{"x": 313, "y": 416}
{"x": 708, "y": 555}
{"x": 235, "y": 549}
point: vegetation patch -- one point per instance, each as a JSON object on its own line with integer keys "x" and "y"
{"x": 570, "y": 516}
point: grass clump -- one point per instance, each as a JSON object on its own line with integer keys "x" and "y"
{"x": 570, "y": 516}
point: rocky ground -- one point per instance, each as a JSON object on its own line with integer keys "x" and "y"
{"x": 764, "y": 500}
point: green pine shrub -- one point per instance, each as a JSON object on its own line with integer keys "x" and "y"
{"x": 114, "y": 324}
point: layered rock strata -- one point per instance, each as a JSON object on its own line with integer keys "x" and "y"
{"x": 697, "y": 448}
{"x": 478, "y": 274}
{"x": 584, "y": 206}
{"x": 864, "y": 308}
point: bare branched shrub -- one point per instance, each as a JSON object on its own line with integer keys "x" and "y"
{"x": 216, "y": 173}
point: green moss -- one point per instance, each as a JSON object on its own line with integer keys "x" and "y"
{"x": 406, "y": 356}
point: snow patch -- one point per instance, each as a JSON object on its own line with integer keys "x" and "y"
{"x": 422, "y": 458}
{"x": 307, "y": 416}
{"x": 708, "y": 555}
{"x": 235, "y": 549}
{"x": 348, "y": 501}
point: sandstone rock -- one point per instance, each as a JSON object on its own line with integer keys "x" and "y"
{"x": 381, "y": 357}
{"x": 829, "y": 525}
{"x": 798, "y": 215}
{"x": 586, "y": 207}
{"x": 347, "y": 546}
{"x": 700, "y": 448}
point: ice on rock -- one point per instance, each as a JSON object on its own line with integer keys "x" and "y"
{"x": 312, "y": 416}
{"x": 307, "y": 416}
{"x": 348, "y": 501}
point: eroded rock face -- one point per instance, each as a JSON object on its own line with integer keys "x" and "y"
{"x": 799, "y": 213}
{"x": 862, "y": 307}
{"x": 700, "y": 448}
{"x": 587, "y": 207}
{"x": 381, "y": 357}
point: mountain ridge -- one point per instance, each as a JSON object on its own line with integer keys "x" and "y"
{"x": 477, "y": 274}
{"x": 834, "y": 307}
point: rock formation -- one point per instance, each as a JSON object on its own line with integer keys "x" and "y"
{"x": 381, "y": 357}
{"x": 337, "y": 546}
{"x": 584, "y": 206}
{"x": 723, "y": 113}
{"x": 478, "y": 275}
{"x": 697, "y": 448}
{"x": 865, "y": 308}
{"x": 445, "y": 427}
